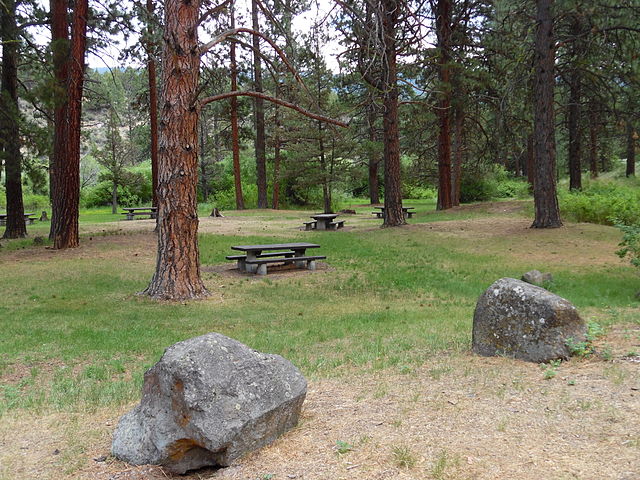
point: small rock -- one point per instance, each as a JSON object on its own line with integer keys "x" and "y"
{"x": 56, "y": 452}
{"x": 536, "y": 277}
{"x": 101, "y": 458}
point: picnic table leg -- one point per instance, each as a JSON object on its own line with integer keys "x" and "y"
{"x": 262, "y": 269}
{"x": 253, "y": 268}
{"x": 321, "y": 225}
{"x": 311, "y": 265}
{"x": 129, "y": 215}
{"x": 299, "y": 253}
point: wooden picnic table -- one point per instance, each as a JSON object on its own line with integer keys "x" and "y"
{"x": 255, "y": 261}
{"x": 325, "y": 221}
{"x": 132, "y": 212}
{"x": 28, "y": 218}
{"x": 406, "y": 211}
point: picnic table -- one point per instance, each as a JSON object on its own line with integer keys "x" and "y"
{"x": 28, "y": 218}
{"x": 406, "y": 211}
{"x": 324, "y": 221}
{"x": 132, "y": 212}
{"x": 255, "y": 261}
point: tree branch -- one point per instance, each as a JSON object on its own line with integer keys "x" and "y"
{"x": 277, "y": 101}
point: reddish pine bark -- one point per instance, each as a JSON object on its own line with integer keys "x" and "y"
{"x": 60, "y": 51}
{"x": 153, "y": 103}
{"x": 392, "y": 185}
{"x": 235, "y": 142}
{"x": 544, "y": 189}
{"x": 443, "y": 30}
{"x": 260, "y": 142}
{"x": 374, "y": 160}
{"x": 177, "y": 275}
{"x": 66, "y": 202}
{"x": 10, "y": 143}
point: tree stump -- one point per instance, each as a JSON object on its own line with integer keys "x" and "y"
{"x": 216, "y": 213}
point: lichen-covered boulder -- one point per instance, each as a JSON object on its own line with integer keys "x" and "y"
{"x": 536, "y": 277}
{"x": 521, "y": 320}
{"x": 207, "y": 401}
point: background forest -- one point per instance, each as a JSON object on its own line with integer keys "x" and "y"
{"x": 465, "y": 99}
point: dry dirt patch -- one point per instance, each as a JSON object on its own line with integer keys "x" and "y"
{"x": 462, "y": 417}
{"x": 578, "y": 244}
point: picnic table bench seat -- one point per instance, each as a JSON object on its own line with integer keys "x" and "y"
{"x": 241, "y": 258}
{"x": 28, "y": 218}
{"x": 261, "y": 263}
{"x": 136, "y": 213}
{"x": 310, "y": 225}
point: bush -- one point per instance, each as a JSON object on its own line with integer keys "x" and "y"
{"x": 630, "y": 243}
{"x": 603, "y": 202}
{"x": 35, "y": 202}
{"x": 100, "y": 195}
{"x": 491, "y": 183}
{"x": 422, "y": 193}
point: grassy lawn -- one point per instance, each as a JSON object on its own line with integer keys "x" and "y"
{"x": 391, "y": 298}
{"x": 77, "y": 338}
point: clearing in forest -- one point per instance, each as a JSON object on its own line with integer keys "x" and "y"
{"x": 382, "y": 331}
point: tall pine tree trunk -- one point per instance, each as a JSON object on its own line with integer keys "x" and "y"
{"x": 575, "y": 140}
{"x": 544, "y": 189}
{"x": 374, "y": 158}
{"x": 66, "y": 202}
{"x": 277, "y": 158}
{"x": 593, "y": 141}
{"x": 458, "y": 151}
{"x": 392, "y": 182}
{"x": 443, "y": 30}
{"x": 235, "y": 142}
{"x": 177, "y": 275}
{"x": 575, "y": 99}
{"x": 631, "y": 150}
{"x": 60, "y": 52}
{"x": 9, "y": 122}
{"x": 260, "y": 142}
{"x": 153, "y": 103}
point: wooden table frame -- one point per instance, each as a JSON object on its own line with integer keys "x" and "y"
{"x": 132, "y": 212}
{"x": 28, "y": 218}
{"x": 406, "y": 211}
{"x": 253, "y": 252}
{"x": 324, "y": 220}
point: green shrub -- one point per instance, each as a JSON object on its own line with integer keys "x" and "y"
{"x": 35, "y": 202}
{"x": 602, "y": 202}
{"x": 630, "y": 243}
{"x": 100, "y": 195}
{"x": 418, "y": 193}
{"x": 490, "y": 183}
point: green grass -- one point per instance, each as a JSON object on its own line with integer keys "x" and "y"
{"x": 82, "y": 339}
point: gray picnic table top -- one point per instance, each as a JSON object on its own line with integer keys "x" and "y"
{"x": 275, "y": 246}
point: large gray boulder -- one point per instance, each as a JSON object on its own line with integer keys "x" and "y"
{"x": 521, "y": 320}
{"x": 207, "y": 401}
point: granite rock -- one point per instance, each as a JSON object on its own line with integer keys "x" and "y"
{"x": 521, "y": 320}
{"x": 209, "y": 400}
